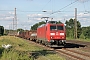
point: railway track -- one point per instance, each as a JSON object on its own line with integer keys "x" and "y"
{"x": 67, "y": 52}
{"x": 73, "y": 54}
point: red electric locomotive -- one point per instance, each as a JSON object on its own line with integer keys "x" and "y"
{"x": 51, "y": 33}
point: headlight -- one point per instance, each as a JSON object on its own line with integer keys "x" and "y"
{"x": 61, "y": 33}
{"x": 52, "y": 33}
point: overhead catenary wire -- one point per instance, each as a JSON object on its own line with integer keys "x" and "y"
{"x": 85, "y": 8}
{"x": 46, "y": 4}
{"x": 64, "y": 7}
{"x": 60, "y": 10}
{"x": 6, "y": 10}
{"x": 21, "y": 11}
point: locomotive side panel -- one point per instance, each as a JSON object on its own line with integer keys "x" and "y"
{"x": 41, "y": 33}
{"x": 48, "y": 32}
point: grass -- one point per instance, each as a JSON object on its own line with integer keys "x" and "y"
{"x": 86, "y": 40}
{"x": 23, "y": 50}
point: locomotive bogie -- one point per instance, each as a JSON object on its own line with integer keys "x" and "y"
{"x": 58, "y": 42}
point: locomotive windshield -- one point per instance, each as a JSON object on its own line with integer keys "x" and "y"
{"x": 52, "y": 27}
{"x": 59, "y": 27}
{"x": 56, "y": 27}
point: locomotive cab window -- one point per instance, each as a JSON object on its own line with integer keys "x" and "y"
{"x": 60, "y": 28}
{"x": 52, "y": 27}
{"x": 56, "y": 27}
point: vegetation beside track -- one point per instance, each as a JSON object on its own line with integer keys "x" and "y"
{"x": 86, "y": 40}
{"x": 23, "y": 50}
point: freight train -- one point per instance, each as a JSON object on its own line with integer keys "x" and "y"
{"x": 48, "y": 34}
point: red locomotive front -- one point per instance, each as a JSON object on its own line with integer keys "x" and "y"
{"x": 54, "y": 34}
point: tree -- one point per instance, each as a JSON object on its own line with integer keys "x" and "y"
{"x": 20, "y": 30}
{"x": 70, "y": 28}
{"x": 86, "y": 32}
{"x": 59, "y": 22}
{"x": 1, "y": 30}
{"x": 34, "y": 27}
{"x": 79, "y": 29}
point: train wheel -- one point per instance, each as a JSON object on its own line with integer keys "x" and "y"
{"x": 43, "y": 42}
{"x": 48, "y": 44}
{"x": 64, "y": 43}
{"x": 37, "y": 41}
{"x": 29, "y": 39}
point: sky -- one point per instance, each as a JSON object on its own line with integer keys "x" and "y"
{"x": 30, "y": 12}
